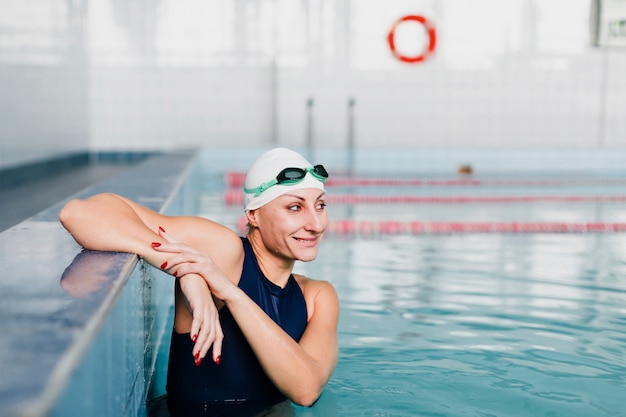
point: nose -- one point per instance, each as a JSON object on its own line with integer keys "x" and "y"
{"x": 315, "y": 221}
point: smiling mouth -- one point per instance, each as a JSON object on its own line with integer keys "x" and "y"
{"x": 307, "y": 241}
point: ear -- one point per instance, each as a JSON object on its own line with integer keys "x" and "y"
{"x": 252, "y": 218}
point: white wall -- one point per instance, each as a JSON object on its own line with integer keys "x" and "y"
{"x": 43, "y": 112}
{"x": 43, "y": 81}
{"x": 120, "y": 75}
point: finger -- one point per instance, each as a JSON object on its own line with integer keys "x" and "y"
{"x": 178, "y": 247}
{"x": 179, "y": 264}
{"x": 173, "y": 245}
{"x": 166, "y": 235}
{"x": 177, "y": 267}
{"x": 204, "y": 319}
{"x": 172, "y": 266}
{"x": 168, "y": 247}
{"x": 204, "y": 341}
{"x": 217, "y": 344}
{"x": 194, "y": 335}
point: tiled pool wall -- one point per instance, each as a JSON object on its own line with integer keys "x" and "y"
{"x": 81, "y": 331}
{"x": 98, "y": 346}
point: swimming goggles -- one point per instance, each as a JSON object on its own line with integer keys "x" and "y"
{"x": 290, "y": 176}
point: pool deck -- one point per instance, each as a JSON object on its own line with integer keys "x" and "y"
{"x": 22, "y": 201}
{"x": 46, "y": 325}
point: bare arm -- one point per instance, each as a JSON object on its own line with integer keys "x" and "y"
{"x": 299, "y": 369}
{"x": 108, "y": 222}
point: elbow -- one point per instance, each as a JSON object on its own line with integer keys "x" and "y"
{"x": 310, "y": 388}
{"x": 305, "y": 401}
{"x": 306, "y": 397}
{"x": 67, "y": 215}
{"x": 73, "y": 218}
{"x": 76, "y": 212}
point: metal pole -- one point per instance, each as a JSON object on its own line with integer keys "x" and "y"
{"x": 273, "y": 103}
{"x": 309, "y": 128}
{"x": 350, "y": 145}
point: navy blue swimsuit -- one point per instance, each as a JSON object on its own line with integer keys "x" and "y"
{"x": 239, "y": 377}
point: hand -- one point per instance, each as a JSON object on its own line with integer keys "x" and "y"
{"x": 206, "y": 330}
{"x": 189, "y": 260}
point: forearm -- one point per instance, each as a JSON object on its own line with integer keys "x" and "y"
{"x": 106, "y": 222}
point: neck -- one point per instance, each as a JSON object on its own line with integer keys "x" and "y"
{"x": 274, "y": 266}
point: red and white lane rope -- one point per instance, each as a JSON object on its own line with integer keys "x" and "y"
{"x": 393, "y": 227}
{"x": 236, "y": 180}
{"x": 235, "y": 197}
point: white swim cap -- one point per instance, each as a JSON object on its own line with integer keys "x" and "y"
{"x": 267, "y": 167}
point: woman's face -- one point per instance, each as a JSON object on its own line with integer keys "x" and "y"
{"x": 292, "y": 225}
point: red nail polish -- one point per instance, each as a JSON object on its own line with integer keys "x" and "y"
{"x": 218, "y": 360}
{"x": 164, "y": 265}
{"x": 161, "y": 229}
{"x": 194, "y": 338}
{"x": 198, "y": 361}
{"x": 175, "y": 274}
{"x": 196, "y": 356}
{"x": 155, "y": 244}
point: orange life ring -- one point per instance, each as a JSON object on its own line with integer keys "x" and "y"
{"x": 428, "y": 49}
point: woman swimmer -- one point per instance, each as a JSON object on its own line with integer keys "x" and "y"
{"x": 271, "y": 335}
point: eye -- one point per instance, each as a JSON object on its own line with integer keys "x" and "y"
{"x": 321, "y": 205}
{"x": 294, "y": 207}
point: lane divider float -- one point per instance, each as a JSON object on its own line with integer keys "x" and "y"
{"x": 393, "y": 227}
{"x": 235, "y": 197}
{"x": 236, "y": 179}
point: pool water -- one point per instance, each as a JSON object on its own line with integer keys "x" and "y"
{"x": 479, "y": 325}
{"x": 472, "y": 324}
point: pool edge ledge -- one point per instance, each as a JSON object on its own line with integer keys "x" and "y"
{"x": 157, "y": 184}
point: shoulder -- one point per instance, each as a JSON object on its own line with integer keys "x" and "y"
{"x": 311, "y": 284}
{"x": 318, "y": 295}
